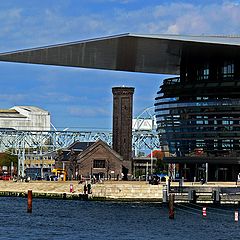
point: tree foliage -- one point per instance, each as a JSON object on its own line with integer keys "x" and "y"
{"x": 160, "y": 166}
{"x": 7, "y": 158}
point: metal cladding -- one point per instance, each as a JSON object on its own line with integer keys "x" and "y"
{"x": 128, "y": 52}
{"x": 122, "y": 121}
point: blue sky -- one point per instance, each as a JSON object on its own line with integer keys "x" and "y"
{"x": 81, "y": 98}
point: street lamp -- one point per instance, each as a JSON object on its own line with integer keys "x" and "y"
{"x": 151, "y": 161}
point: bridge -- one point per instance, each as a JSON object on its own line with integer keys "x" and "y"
{"x": 43, "y": 142}
{"x": 144, "y": 137}
{"x": 49, "y": 141}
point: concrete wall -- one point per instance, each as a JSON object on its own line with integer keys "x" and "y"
{"x": 125, "y": 191}
{"x": 25, "y": 118}
{"x": 110, "y": 190}
{"x": 36, "y": 119}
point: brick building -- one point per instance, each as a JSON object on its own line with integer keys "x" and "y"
{"x": 101, "y": 162}
{"x": 67, "y": 158}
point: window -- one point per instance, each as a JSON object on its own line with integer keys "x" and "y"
{"x": 201, "y": 98}
{"x": 227, "y": 121}
{"x": 203, "y": 72}
{"x": 228, "y": 69}
{"x": 99, "y": 164}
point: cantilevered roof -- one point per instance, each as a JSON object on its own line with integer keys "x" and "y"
{"x": 129, "y": 52}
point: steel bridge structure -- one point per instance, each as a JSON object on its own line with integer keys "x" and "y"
{"x": 44, "y": 142}
{"x": 48, "y": 141}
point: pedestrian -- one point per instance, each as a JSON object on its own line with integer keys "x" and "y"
{"x": 238, "y": 179}
{"x": 89, "y": 188}
{"x": 85, "y": 189}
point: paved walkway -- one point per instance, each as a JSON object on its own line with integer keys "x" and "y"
{"x": 64, "y": 187}
{"x": 40, "y": 186}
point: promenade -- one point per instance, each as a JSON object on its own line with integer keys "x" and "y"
{"x": 105, "y": 190}
{"x": 116, "y": 190}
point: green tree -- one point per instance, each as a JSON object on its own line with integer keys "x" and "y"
{"x": 7, "y": 158}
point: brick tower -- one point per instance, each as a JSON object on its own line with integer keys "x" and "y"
{"x": 122, "y": 122}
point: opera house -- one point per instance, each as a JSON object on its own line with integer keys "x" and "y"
{"x": 197, "y": 110}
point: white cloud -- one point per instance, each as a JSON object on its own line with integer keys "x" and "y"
{"x": 182, "y": 18}
{"x": 19, "y": 29}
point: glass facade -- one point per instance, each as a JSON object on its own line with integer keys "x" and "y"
{"x": 198, "y": 118}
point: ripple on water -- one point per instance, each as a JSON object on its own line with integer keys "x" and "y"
{"x": 64, "y": 219}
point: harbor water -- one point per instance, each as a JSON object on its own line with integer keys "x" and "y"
{"x": 65, "y": 219}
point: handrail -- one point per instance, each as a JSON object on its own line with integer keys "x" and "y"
{"x": 171, "y": 81}
{"x": 225, "y": 78}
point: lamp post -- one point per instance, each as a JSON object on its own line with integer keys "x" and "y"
{"x": 107, "y": 169}
{"x": 91, "y": 170}
{"x": 206, "y": 173}
{"x": 151, "y": 161}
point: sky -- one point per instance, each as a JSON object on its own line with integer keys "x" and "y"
{"x": 81, "y": 98}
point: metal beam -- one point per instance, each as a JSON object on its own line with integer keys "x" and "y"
{"x": 50, "y": 141}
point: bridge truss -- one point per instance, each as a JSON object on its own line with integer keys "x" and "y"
{"x": 39, "y": 143}
{"x": 49, "y": 141}
{"x": 44, "y": 142}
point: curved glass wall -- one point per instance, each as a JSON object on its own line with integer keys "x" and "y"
{"x": 212, "y": 125}
{"x": 201, "y": 113}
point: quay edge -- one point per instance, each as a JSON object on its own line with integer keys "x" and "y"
{"x": 122, "y": 191}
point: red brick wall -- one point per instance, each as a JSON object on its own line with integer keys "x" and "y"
{"x": 112, "y": 163}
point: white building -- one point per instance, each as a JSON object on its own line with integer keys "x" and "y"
{"x": 25, "y": 118}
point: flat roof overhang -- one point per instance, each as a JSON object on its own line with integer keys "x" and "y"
{"x": 201, "y": 160}
{"x": 129, "y": 52}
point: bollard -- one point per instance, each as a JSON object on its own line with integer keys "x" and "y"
{"x": 71, "y": 188}
{"x": 180, "y": 185}
{"x": 171, "y": 206}
{"x": 204, "y": 211}
{"x": 194, "y": 179}
{"x": 168, "y": 184}
{"x": 236, "y": 216}
{"x": 182, "y": 181}
{"x": 192, "y": 197}
{"x": 29, "y": 208}
{"x": 165, "y": 194}
{"x": 216, "y": 197}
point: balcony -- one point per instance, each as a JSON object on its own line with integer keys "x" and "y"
{"x": 171, "y": 81}
{"x": 173, "y": 87}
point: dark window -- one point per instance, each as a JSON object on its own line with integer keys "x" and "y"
{"x": 99, "y": 164}
{"x": 228, "y": 70}
{"x": 203, "y": 72}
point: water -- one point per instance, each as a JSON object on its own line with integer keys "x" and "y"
{"x": 64, "y": 219}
